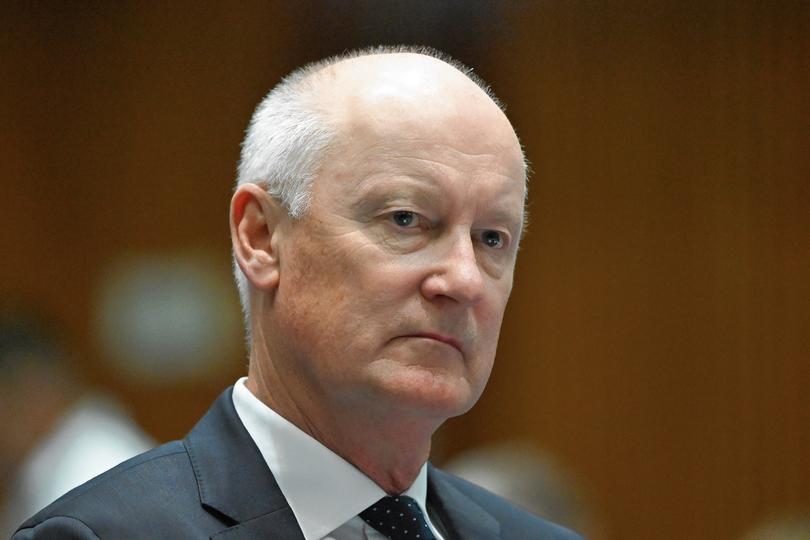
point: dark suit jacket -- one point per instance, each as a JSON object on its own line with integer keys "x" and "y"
{"x": 215, "y": 484}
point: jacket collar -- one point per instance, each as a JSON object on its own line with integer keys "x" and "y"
{"x": 233, "y": 480}
{"x": 462, "y": 516}
{"x": 235, "y": 484}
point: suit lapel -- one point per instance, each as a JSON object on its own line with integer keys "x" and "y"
{"x": 236, "y": 485}
{"x": 279, "y": 525}
{"x": 233, "y": 479}
{"x": 464, "y": 518}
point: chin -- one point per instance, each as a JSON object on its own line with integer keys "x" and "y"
{"x": 430, "y": 392}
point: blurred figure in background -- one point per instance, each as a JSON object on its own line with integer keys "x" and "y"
{"x": 56, "y": 434}
{"x": 532, "y": 479}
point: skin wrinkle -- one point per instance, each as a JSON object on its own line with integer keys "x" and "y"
{"x": 433, "y": 164}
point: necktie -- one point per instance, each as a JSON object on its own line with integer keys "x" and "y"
{"x": 398, "y": 518}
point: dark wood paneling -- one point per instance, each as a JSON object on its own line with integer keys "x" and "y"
{"x": 662, "y": 306}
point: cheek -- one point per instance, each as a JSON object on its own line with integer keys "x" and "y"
{"x": 329, "y": 294}
{"x": 482, "y": 378}
{"x": 489, "y": 319}
{"x": 491, "y": 310}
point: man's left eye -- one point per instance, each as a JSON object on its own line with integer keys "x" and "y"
{"x": 493, "y": 239}
{"x": 405, "y": 219}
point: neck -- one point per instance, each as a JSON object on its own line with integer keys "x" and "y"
{"x": 388, "y": 446}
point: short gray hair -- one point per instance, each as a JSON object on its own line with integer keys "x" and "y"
{"x": 288, "y": 136}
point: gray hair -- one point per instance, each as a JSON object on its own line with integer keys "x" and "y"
{"x": 289, "y": 135}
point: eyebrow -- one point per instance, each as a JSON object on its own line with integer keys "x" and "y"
{"x": 390, "y": 189}
{"x": 505, "y": 216}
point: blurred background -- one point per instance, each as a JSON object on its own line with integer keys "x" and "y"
{"x": 655, "y": 358}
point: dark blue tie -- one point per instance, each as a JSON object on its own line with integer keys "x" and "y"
{"x": 398, "y": 518}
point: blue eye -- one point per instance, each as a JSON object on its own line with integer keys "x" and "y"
{"x": 404, "y": 218}
{"x": 492, "y": 239}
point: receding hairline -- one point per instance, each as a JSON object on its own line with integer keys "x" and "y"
{"x": 313, "y": 82}
{"x": 309, "y": 75}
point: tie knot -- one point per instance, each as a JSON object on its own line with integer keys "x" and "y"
{"x": 398, "y": 518}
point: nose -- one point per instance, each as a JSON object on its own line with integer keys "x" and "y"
{"x": 455, "y": 274}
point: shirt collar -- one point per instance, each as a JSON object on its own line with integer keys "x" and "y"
{"x": 323, "y": 490}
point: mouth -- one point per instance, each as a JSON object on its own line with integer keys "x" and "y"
{"x": 453, "y": 342}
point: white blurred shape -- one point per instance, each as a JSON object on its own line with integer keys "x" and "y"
{"x": 166, "y": 318}
{"x": 532, "y": 479}
{"x": 94, "y": 435}
{"x": 789, "y": 525}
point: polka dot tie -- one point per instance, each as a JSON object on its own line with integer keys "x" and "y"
{"x": 398, "y": 518}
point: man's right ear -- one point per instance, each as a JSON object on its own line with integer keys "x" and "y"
{"x": 254, "y": 220}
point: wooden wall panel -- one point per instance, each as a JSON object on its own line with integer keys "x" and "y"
{"x": 661, "y": 312}
{"x": 122, "y": 134}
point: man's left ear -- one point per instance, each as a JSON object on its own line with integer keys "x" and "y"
{"x": 254, "y": 221}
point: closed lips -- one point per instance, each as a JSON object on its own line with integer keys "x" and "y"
{"x": 453, "y": 342}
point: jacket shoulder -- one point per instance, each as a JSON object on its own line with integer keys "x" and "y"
{"x": 141, "y": 495}
{"x": 515, "y": 522}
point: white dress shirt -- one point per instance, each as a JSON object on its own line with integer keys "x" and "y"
{"x": 325, "y": 492}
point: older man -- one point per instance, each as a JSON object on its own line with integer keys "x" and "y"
{"x": 375, "y": 227}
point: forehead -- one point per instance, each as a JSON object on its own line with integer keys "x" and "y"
{"x": 411, "y": 105}
{"x": 408, "y": 156}
{"x": 374, "y": 170}
{"x": 402, "y": 98}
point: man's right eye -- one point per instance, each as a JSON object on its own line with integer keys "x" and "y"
{"x": 405, "y": 219}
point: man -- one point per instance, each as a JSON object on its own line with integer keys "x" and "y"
{"x": 375, "y": 227}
